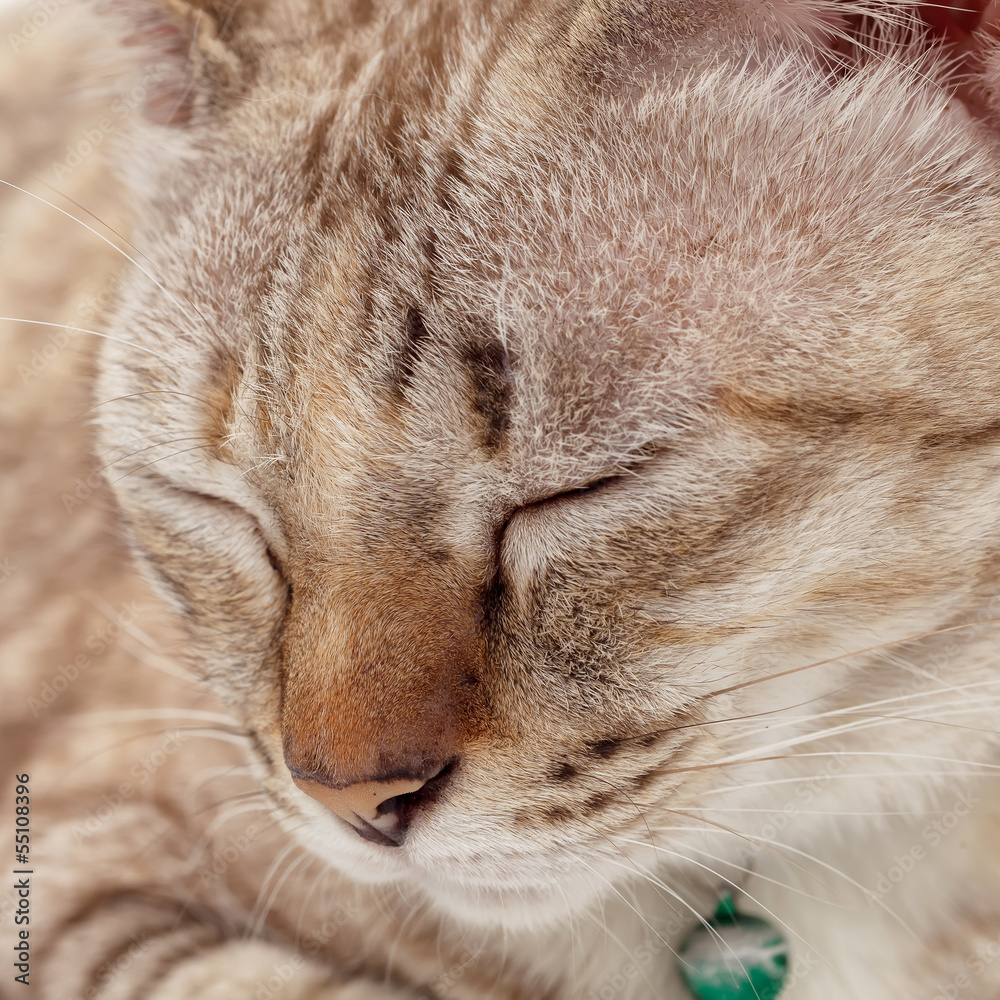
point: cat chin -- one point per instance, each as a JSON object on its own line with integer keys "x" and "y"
{"x": 511, "y": 908}
{"x": 358, "y": 865}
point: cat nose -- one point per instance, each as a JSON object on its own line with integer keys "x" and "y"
{"x": 377, "y": 811}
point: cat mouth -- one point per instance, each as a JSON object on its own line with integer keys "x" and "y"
{"x": 366, "y": 831}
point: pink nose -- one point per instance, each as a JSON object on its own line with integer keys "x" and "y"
{"x": 374, "y": 809}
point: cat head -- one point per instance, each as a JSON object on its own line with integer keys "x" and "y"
{"x": 517, "y": 403}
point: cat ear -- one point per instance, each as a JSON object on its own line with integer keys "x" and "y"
{"x": 182, "y": 51}
{"x": 959, "y": 40}
{"x": 960, "y": 37}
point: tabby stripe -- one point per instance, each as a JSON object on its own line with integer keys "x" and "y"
{"x": 409, "y": 354}
{"x": 133, "y": 932}
{"x": 492, "y": 382}
{"x": 85, "y": 913}
{"x": 172, "y": 950}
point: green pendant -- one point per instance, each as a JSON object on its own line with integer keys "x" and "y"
{"x": 740, "y": 958}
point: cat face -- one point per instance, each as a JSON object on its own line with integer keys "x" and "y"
{"x": 506, "y": 405}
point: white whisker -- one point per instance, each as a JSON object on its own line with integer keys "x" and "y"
{"x": 80, "y": 329}
{"x": 871, "y": 896}
{"x": 150, "y": 714}
{"x": 115, "y": 247}
{"x": 660, "y": 884}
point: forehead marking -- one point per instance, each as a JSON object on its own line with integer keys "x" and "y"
{"x": 415, "y": 335}
{"x": 452, "y": 177}
{"x": 492, "y": 382}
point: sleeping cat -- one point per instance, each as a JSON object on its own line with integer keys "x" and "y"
{"x": 563, "y": 436}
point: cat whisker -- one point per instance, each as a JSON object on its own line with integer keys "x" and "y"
{"x": 666, "y": 730}
{"x": 81, "y": 329}
{"x": 156, "y": 444}
{"x": 872, "y": 897}
{"x": 814, "y": 735}
{"x": 826, "y": 777}
{"x": 843, "y": 656}
{"x": 397, "y": 937}
{"x": 157, "y": 662}
{"x": 242, "y": 740}
{"x": 96, "y": 218}
{"x": 865, "y": 723}
{"x": 261, "y": 912}
{"x": 575, "y": 936}
{"x": 748, "y": 839}
{"x": 151, "y": 714}
{"x": 262, "y": 806}
{"x": 263, "y": 463}
{"x": 317, "y": 884}
{"x": 670, "y": 892}
{"x": 965, "y": 703}
{"x": 200, "y": 779}
{"x": 733, "y": 864}
{"x": 162, "y": 458}
{"x": 163, "y": 288}
{"x": 781, "y": 710}
{"x": 109, "y": 612}
{"x": 910, "y": 813}
{"x": 880, "y": 702}
{"x": 942, "y": 722}
{"x": 658, "y": 883}
{"x": 144, "y": 392}
{"x": 978, "y": 705}
{"x": 655, "y": 880}
{"x": 621, "y": 791}
{"x": 141, "y": 735}
{"x": 859, "y": 713}
{"x": 256, "y": 793}
{"x": 647, "y": 876}
{"x": 605, "y": 928}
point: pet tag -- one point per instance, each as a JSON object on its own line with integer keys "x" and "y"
{"x": 739, "y": 958}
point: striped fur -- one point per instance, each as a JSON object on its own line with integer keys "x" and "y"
{"x": 599, "y": 398}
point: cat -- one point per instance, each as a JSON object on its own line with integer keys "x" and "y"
{"x": 556, "y": 443}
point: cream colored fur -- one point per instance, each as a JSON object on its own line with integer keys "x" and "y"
{"x": 756, "y": 296}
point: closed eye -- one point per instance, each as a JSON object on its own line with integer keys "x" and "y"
{"x": 595, "y": 484}
{"x": 235, "y": 511}
{"x": 626, "y": 468}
